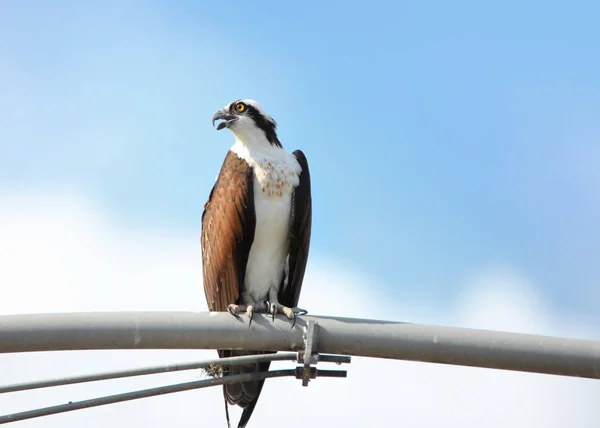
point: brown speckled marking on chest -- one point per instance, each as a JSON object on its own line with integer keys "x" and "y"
{"x": 273, "y": 180}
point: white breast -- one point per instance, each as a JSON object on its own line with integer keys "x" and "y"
{"x": 276, "y": 175}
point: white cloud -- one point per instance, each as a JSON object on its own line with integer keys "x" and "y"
{"x": 60, "y": 253}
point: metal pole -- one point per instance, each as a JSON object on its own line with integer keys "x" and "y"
{"x": 162, "y": 390}
{"x": 367, "y": 338}
{"x": 143, "y": 393}
{"x": 230, "y": 361}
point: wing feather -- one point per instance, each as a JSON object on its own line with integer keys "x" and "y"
{"x": 300, "y": 231}
{"x": 228, "y": 224}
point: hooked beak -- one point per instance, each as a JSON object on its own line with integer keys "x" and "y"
{"x": 227, "y": 118}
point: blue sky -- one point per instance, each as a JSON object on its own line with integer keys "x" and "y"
{"x": 442, "y": 136}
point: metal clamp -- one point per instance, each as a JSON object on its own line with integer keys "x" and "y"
{"x": 308, "y": 357}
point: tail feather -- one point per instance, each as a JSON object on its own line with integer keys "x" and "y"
{"x": 247, "y": 413}
{"x": 243, "y": 394}
{"x": 226, "y": 407}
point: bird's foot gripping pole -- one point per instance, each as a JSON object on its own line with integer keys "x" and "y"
{"x": 290, "y": 313}
{"x": 250, "y": 309}
{"x": 308, "y": 357}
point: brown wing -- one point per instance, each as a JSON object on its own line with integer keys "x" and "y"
{"x": 300, "y": 229}
{"x": 228, "y": 224}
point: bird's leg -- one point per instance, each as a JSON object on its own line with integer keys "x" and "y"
{"x": 277, "y": 308}
{"x": 249, "y": 307}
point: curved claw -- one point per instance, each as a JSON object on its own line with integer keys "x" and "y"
{"x": 294, "y": 321}
{"x": 250, "y": 313}
{"x": 301, "y": 312}
{"x": 231, "y": 310}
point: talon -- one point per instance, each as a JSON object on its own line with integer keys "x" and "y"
{"x": 250, "y": 313}
{"x": 273, "y": 309}
{"x": 233, "y": 309}
{"x": 299, "y": 311}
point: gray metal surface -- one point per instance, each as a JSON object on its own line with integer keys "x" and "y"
{"x": 367, "y": 338}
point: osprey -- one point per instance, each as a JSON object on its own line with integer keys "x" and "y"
{"x": 256, "y": 228}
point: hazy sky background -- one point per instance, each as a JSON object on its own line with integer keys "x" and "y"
{"x": 454, "y": 152}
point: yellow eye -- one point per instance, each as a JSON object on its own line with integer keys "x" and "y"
{"x": 240, "y": 107}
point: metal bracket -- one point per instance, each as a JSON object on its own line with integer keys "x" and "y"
{"x": 308, "y": 357}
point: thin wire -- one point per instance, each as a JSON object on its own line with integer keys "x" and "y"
{"x": 144, "y": 393}
{"x": 229, "y": 361}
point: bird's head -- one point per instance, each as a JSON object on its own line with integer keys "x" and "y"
{"x": 247, "y": 120}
